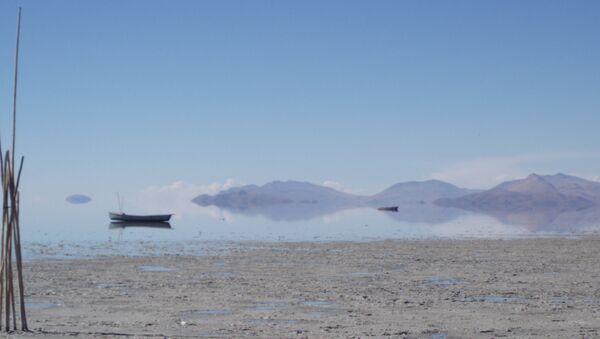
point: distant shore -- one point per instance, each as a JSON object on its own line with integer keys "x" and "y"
{"x": 545, "y": 287}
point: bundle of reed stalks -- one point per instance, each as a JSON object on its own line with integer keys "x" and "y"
{"x": 10, "y": 256}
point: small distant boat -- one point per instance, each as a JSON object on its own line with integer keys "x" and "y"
{"x": 390, "y": 208}
{"x": 148, "y": 224}
{"x": 139, "y": 218}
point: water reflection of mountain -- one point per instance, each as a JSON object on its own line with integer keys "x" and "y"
{"x": 410, "y": 212}
{"x": 425, "y": 213}
{"x": 552, "y": 220}
{"x": 287, "y": 211}
{"x": 534, "y": 221}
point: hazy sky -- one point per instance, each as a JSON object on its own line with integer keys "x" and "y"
{"x": 123, "y": 95}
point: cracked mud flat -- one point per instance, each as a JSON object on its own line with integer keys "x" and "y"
{"x": 525, "y": 288}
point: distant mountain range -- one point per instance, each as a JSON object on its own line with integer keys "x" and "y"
{"x": 560, "y": 192}
{"x": 539, "y": 202}
{"x": 277, "y": 193}
{"x": 295, "y": 192}
{"x": 419, "y": 192}
{"x": 557, "y": 192}
{"x": 293, "y": 200}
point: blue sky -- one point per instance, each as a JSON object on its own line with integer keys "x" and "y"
{"x": 123, "y": 95}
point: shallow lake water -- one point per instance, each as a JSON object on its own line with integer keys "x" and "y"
{"x": 67, "y": 230}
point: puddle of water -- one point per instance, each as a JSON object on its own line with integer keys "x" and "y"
{"x": 439, "y": 335}
{"x": 273, "y": 321}
{"x": 495, "y": 298}
{"x": 151, "y": 268}
{"x": 111, "y": 285}
{"x": 41, "y": 305}
{"x": 321, "y": 313}
{"x": 317, "y": 303}
{"x": 323, "y": 308}
{"x": 559, "y": 300}
{"x": 592, "y": 301}
{"x": 443, "y": 281}
{"x": 270, "y": 305}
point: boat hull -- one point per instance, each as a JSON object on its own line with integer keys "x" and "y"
{"x": 389, "y": 209}
{"x": 146, "y": 224}
{"x": 143, "y": 218}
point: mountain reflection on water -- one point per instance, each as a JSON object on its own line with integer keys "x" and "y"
{"x": 553, "y": 220}
{"x": 288, "y": 212}
{"x": 547, "y": 220}
{"x": 410, "y": 212}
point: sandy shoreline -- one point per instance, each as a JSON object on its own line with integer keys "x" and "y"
{"x": 415, "y": 289}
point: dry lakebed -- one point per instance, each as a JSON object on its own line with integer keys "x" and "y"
{"x": 522, "y": 288}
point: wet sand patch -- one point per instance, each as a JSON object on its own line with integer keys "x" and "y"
{"x": 110, "y": 285}
{"x": 155, "y": 268}
{"x": 443, "y": 281}
{"x": 41, "y": 305}
{"x": 492, "y": 298}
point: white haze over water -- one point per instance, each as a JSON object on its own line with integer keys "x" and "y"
{"x": 176, "y": 198}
